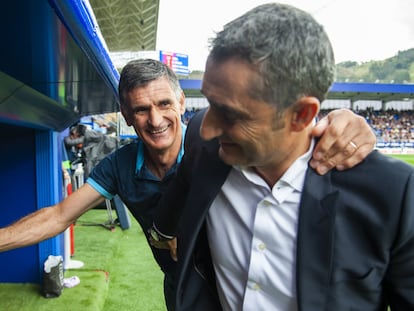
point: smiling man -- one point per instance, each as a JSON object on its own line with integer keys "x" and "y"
{"x": 260, "y": 228}
{"x": 152, "y": 102}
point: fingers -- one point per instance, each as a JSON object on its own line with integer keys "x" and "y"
{"x": 346, "y": 140}
{"x": 320, "y": 127}
{"x": 170, "y": 245}
{"x": 358, "y": 156}
{"x": 159, "y": 244}
{"x": 173, "y": 249}
{"x": 352, "y": 144}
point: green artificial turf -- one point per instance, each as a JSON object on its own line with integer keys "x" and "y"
{"x": 409, "y": 158}
{"x": 119, "y": 273}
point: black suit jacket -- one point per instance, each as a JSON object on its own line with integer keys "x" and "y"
{"x": 355, "y": 243}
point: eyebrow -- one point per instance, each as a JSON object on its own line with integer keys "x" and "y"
{"x": 228, "y": 110}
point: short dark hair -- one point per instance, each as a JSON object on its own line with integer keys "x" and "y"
{"x": 290, "y": 49}
{"x": 140, "y": 72}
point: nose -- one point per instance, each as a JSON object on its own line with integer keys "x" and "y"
{"x": 155, "y": 117}
{"x": 211, "y": 126}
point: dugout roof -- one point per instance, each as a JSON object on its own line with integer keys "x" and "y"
{"x": 127, "y": 25}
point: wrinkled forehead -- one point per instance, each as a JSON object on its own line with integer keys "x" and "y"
{"x": 231, "y": 77}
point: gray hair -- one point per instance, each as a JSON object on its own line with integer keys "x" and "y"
{"x": 140, "y": 72}
{"x": 290, "y": 49}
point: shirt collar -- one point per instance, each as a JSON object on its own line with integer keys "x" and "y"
{"x": 294, "y": 176}
{"x": 140, "y": 153}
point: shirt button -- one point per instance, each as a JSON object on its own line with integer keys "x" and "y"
{"x": 262, "y": 246}
{"x": 255, "y": 286}
{"x": 266, "y": 203}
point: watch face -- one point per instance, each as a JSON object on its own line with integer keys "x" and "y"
{"x": 154, "y": 235}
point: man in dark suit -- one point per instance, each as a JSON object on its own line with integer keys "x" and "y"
{"x": 257, "y": 227}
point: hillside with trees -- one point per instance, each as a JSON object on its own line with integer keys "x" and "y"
{"x": 396, "y": 69}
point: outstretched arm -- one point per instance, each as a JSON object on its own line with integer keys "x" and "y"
{"x": 50, "y": 221}
{"x": 346, "y": 139}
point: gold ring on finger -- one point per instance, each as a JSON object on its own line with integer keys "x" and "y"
{"x": 353, "y": 145}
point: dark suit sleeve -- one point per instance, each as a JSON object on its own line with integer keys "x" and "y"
{"x": 168, "y": 212}
{"x": 399, "y": 280}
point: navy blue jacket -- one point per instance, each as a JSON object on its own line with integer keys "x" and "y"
{"x": 355, "y": 244}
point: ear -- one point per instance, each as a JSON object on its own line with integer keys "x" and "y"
{"x": 304, "y": 112}
{"x": 125, "y": 114}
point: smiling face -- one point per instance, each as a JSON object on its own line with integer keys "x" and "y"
{"x": 250, "y": 131}
{"x": 247, "y": 128}
{"x": 155, "y": 113}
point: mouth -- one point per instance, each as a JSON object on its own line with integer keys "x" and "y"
{"x": 158, "y": 131}
{"x": 227, "y": 145}
{"x": 223, "y": 141}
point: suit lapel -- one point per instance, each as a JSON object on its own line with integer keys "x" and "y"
{"x": 315, "y": 241}
{"x": 213, "y": 173}
{"x": 204, "y": 190}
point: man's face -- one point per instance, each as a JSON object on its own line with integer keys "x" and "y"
{"x": 249, "y": 131}
{"x": 155, "y": 113}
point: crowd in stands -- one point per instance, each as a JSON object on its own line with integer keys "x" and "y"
{"x": 188, "y": 114}
{"x": 390, "y": 126}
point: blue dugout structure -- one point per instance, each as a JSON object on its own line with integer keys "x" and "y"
{"x": 54, "y": 69}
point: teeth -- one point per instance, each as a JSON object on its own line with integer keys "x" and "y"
{"x": 160, "y": 130}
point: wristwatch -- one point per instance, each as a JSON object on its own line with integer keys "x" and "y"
{"x": 159, "y": 237}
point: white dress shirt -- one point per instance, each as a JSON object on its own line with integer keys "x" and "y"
{"x": 252, "y": 233}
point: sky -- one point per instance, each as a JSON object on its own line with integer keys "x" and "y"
{"x": 359, "y": 30}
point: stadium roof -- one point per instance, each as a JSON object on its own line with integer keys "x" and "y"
{"x": 371, "y": 91}
{"x": 339, "y": 90}
{"x": 131, "y": 25}
{"x": 127, "y": 25}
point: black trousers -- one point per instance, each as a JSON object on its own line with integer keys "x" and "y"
{"x": 169, "y": 290}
